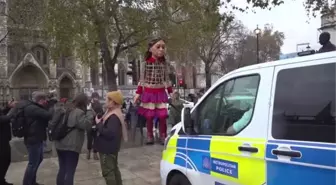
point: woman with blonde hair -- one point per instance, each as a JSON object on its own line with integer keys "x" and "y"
{"x": 111, "y": 128}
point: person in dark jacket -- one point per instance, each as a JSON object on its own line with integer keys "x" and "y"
{"x": 324, "y": 40}
{"x": 37, "y": 117}
{"x": 111, "y": 128}
{"x": 91, "y": 135}
{"x": 175, "y": 110}
{"x": 5, "y": 137}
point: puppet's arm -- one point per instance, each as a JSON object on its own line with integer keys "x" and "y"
{"x": 142, "y": 78}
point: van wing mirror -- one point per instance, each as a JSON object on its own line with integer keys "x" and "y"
{"x": 186, "y": 117}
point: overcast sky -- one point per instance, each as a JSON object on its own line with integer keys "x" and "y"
{"x": 289, "y": 18}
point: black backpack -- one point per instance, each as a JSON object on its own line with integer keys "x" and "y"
{"x": 19, "y": 122}
{"x": 59, "y": 127}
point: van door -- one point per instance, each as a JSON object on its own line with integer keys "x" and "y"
{"x": 231, "y": 129}
{"x": 301, "y": 144}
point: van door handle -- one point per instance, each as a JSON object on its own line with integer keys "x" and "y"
{"x": 248, "y": 149}
{"x": 289, "y": 153}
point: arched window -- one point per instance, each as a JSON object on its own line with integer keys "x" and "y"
{"x": 2, "y": 8}
{"x": 41, "y": 54}
{"x": 38, "y": 54}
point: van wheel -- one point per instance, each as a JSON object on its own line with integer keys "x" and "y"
{"x": 179, "y": 179}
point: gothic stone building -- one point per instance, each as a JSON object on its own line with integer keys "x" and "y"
{"x": 26, "y": 66}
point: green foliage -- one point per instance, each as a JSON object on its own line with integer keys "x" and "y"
{"x": 193, "y": 29}
{"x": 314, "y": 7}
{"x": 262, "y": 4}
{"x": 85, "y": 27}
{"x": 202, "y": 19}
{"x": 70, "y": 31}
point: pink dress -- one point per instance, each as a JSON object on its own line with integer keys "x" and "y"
{"x": 152, "y": 87}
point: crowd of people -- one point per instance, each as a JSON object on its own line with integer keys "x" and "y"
{"x": 66, "y": 122}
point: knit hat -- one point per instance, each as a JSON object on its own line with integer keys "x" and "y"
{"x": 116, "y": 96}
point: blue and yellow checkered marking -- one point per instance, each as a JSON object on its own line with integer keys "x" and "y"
{"x": 219, "y": 157}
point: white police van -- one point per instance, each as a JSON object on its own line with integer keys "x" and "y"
{"x": 271, "y": 123}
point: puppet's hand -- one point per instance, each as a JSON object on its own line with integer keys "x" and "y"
{"x": 136, "y": 98}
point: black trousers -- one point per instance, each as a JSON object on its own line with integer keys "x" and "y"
{"x": 5, "y": 160}
{"x": 91, "y": 137}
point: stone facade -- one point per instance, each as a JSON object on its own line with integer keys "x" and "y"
{"x": 26, "y": 66}
{"x": 328, "y": 24}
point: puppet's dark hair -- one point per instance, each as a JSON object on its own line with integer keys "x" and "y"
{"x": 148, "y": 54}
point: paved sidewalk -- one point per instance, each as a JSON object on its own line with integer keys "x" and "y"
{"x": 138, "y": 166}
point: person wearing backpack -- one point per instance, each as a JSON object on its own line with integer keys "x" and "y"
{"x": 69, "y": 145}
{"x": 33, "y": 117}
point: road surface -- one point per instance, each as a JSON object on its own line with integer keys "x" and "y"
{"x": 138, "y": 166}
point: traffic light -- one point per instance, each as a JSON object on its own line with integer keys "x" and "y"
{"x": 132, "y": 71}
{"x": 181, "y": 82}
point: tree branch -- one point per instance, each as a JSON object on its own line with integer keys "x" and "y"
{"x": 179, "y": 22}
{"x": 128, "y": 37}
{"x": 117, "y": 23}
{"x": 175, "y": 11}
{"x": 4, "y": 37}
{"x": 10, "y": 17}
{"x": 132, "y": 44}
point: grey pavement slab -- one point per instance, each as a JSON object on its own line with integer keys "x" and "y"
{"x": 19, "y": 151}
{"x": 138, "y": 166}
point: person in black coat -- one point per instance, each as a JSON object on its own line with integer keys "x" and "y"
{"x": 37, "y": 117}
{"x": 91, "y": 135}
{"x": 5, "y": 137}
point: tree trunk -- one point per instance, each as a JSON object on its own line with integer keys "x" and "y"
{"x": 207, "y": 76}
{"x": 111, "y": 76}
{"x": 109, "y": 62}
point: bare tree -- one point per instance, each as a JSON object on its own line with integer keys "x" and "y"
{"x": 232, "y": 57}
{"x": 242, "y": 51}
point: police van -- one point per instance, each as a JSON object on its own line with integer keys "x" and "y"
{"x": 271, "y": 123}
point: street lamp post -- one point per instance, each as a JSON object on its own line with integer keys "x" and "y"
{"x": 102, "y": 73}
{"x": 257, "y": 31}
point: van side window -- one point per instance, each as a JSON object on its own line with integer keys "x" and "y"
{"x": 304, "y": 104}
{"x": 229, "y": 108}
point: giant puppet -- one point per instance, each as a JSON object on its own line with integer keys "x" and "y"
{"x": 153, "y": 88}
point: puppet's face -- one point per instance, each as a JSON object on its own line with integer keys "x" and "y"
{"x": 158, "y": 50}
